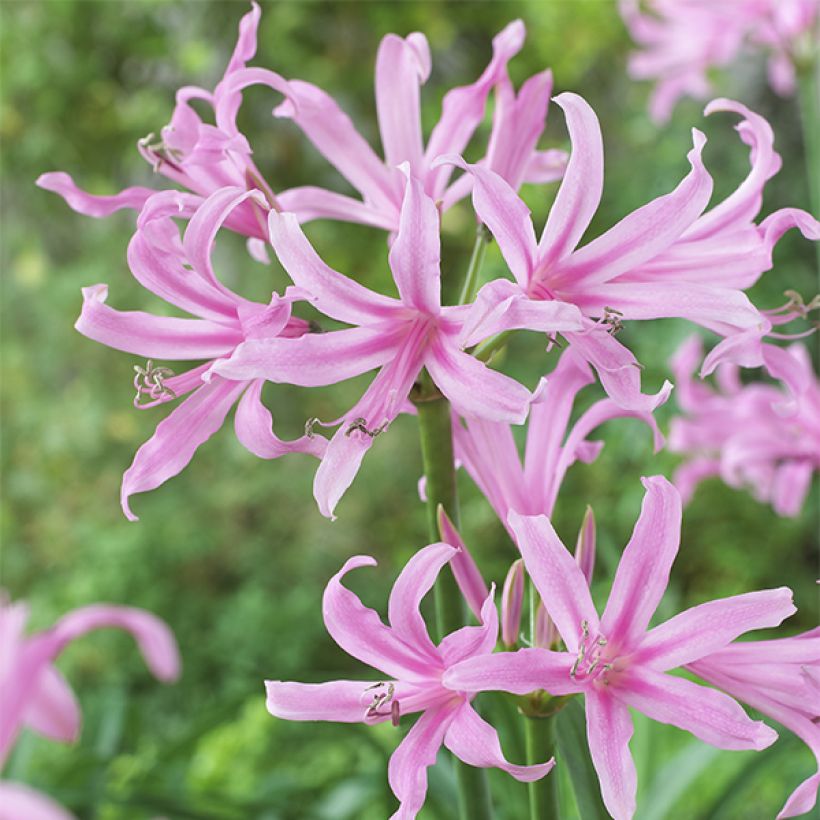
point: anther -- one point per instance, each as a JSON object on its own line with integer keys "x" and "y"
{"x": 150, "y": 381}
{"x": 360, "y": 424}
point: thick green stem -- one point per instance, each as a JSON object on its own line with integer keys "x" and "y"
{"x": 809, "y": 80}
{"x": 543, "y": 793}
{"x": 470, "y": 286}
{"x": 435, "y": 429}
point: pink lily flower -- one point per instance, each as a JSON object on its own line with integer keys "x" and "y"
{"x": 487, "y": 449}
{"x": 401, "y": 336}
{"x": 755, "y": 435}
{"x": 681, "y": 40}
{"x": 414, "y": 667}
{"x": 34, "y": 693}
{"x": 402, "y": 67}
{"x": 614, "y": 660}
{"x": 781, "y": 679}
{"x": 182, "y": 274}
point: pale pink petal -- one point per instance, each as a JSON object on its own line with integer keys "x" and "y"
{"x": 53, "y": 710}
{"x": 360, "y": 632}
{"x": 341, "y": 701}
{"x": 402, "y": 65}
{"x": 309, "y": 202}
{"x": 643, "y": 572}
{"x": 706, "y": 628}
{"x": 474, "y": 741}
{"x": 803, "y": 799}
{"x": 228, "y": 97}
{"x": 466, "y": 571}
{"x": 521, "y": 672}
{"x": 91, "y": 204}
{"x": 709, "y": 715}
{"x": 473, "y": 388}
{"x": 253, "y": 423}
{"x": 160, "y": 337}
{"x": 580, "y": 191}
{"x": 546, "y": 166}
{"x": 470, "y": 641}
{"x": 792, "y": 481}
{"x": 556, "y": 576}
{"x": 776, "y": 224}
{"x": 177, "y": 438}
{"x": 20, "y": 802}
{"x": 333, "y": 294}
{"x": 687, "y": 477}
{"x": 415, "y": 255}
{"x": 609, "y": 730}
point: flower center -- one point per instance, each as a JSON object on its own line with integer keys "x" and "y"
{"x": 592, "y": 662}
{"x": 379, "y": 702}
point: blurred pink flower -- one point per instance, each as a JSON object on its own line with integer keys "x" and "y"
{"x": 756, "y": 435}
{"x": 19, "y": 802}
{"x": 682, "y": 40}
{"x": 615, "y": 661}
{"x": 781, "y": 679}
{"x": 401, "y": 336}
{"x": 181, "y": 273}
{"x": 414, "y": 667}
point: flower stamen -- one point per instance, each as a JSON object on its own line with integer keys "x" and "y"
{"x": 150, "y": 381}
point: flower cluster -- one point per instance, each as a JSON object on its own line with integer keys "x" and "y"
{"x": 679, "y": 255}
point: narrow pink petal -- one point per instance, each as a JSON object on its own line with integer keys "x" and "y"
{"x": 687, "y": 477}
{"x": 341, "y": 701}
{"x": 253, "y": 423}
{"x": 520, "y": 673}
{"x": 546, "y": 166}
{"x": 580, "y": 191}
{"x": 792, "y": 481}
{"x": 709, "y": 627}
{"x": 309, "y": 202}
{"x": 466, "y": 571}
{"x": 245, "y": 47}
{"x": 18, "y": 801}
{"x": 91, "y": 204}
{"x": 644, "y": 233}
{"x": 643, "y": 572}
{"x": 177, "y": 438}
{"x": 803, "y": 799}
{"x": 470, "y": 641}
{"x": 334, "y": 294}
{"x": 160, "y": 337}
{"x": 776, "y": 224}
{"x": 402, "y": 65}
{"x": 407, "y": 770}
{"x": 53, "y": 710}
{"x": 556, "y": 576}
{"x": 314, "y": 359}
{"x": 360, "y": 632}
{"x": 609, "y": 730}
{"x": 709, "y": 715}
{"x": 412, "y": 585}
{"x": 473, "y": 388}
{"x": 474, "y": 741}
{"x": 228, "y": 97}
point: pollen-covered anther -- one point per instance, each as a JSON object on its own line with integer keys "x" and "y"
{"x": 614, "y": 319}
{"x": 150, "y": 381}
{"x": 382, "y": 695}
{"x": 360, "y": 424}
{"x": 590, "y": 662}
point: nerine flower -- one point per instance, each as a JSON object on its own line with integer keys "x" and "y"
{"x": 402, "y": 67}
{"x": 754, "y": 435}
{"x": 681, "y": 40}
{"x": 614, "y": 660}
{"x": 34, "y": 694}
{"x": 781, "y": 679}
{"x": 400, "y": 336}
{"x": 414, "y": 667}
{"x": 181, "y": 273}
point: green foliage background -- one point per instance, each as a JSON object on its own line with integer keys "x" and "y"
{"x": 233, "y": 553}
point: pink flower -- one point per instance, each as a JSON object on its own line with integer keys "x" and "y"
{"x": 182, "y": 274}
{"x": 34, "y": 693}
{"x": 400, "y": 336}
{"x": 402, "y": 67}
{"x": 414, "y": 667}
{"x": 614, "y": 661}
{"x": 681, "y": 40}
{"x": 755, "y": 435}
{"x": 781, "y": 679}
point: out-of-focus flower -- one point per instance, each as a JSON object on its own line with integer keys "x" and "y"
{"x": 181, "y": 273}
{"x": 781, "y": 679}
{"x": 681, "y": 40}
{"x": 614, "y": 660}
{"x": 756, "y": 435}
{"x": 401, "y": 336}
{"x": 34, "y": 694}
{"x": 414, "y": 667}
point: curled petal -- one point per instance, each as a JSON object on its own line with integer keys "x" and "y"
{"x": 53, "y": 710}
{"x": 470, "y": 641}
{"x": 91, "y": 204}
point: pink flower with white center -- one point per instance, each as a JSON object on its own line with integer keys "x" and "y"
{"x": 487, "y": 449}
{"x": 681, "y": 40}
{"x": 402, "y": 67}
{"x": 781, "y": 679}
{"x": 614, "y": 660}
{"x": 181, "y": 273}
{"x": 414, "y": 667}
{"x": 34, "y": 694}
{"x": 400, "y": 336}
{"x": 667, "y": 259}
{"x": 757, "y": 435}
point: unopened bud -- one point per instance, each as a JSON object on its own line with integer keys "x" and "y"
{"x": 467, "y": 574}
{"x": 546, "y": 635}
{"x": 585, "y": 546}
{"x": 512, "y": 599}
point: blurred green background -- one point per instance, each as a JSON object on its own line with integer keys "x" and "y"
{"x": 233, "y": 553}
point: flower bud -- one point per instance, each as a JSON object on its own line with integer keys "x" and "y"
{"x": 585, "y": 546}
{"x": 467, "y": 574}
{"x": 512, "y": 598}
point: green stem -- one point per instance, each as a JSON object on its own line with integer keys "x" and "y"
{"x": 435, "y": 430}
{"x": 470, "y": 286}
{"x": 809, "y": 85}
{"x": 540, "y": 738}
